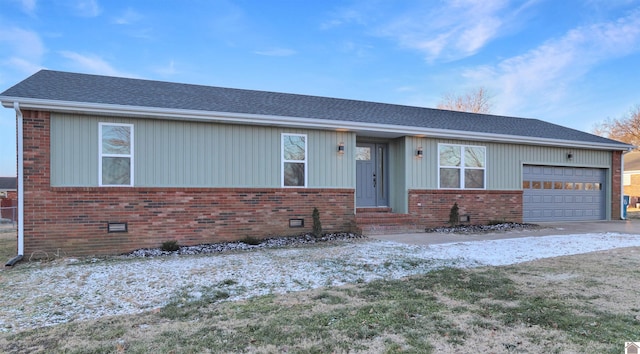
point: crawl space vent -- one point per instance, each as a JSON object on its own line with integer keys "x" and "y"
{"x": 117, "y": 227}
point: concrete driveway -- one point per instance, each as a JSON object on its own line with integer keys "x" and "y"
{"x": 546, "y": 229}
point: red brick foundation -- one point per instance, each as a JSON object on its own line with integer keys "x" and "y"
{"x": 433, "y": 206}
{"x": 616, "y": 185}
{"x": 73, "y": 220}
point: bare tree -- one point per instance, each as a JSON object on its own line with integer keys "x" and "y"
{"x": 474, "y": 101}
{"x": 625, "y": 129}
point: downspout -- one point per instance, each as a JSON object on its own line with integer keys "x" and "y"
{"x": 622, "y": 185}
{"x": 20, "y": 151}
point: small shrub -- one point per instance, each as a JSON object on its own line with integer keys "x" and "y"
{"x": 250, "y": 240}
{"x": 170, "y": 246}
{"x": 454, "y": 215}
{"x": 317, "y": 225}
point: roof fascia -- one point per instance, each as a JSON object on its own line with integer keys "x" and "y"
{"x": 294, "y": 122}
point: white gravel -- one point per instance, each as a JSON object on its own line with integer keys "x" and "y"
{"x": 35, "y": 295}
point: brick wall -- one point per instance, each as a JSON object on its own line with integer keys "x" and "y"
{"x": 73, "y": 221}
{"x": 633, "y": 190}
{"x": 434, "y": 206}
{"x": 616, "y": 184}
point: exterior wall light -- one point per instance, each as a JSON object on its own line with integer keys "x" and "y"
{"x": 341, "y": 148}
{"x": 569, "y": 156}
{"x": 419, "y": 152}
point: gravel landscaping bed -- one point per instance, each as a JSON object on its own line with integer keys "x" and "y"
{"x": 275, "y": 242}
{"x": 474, "y": 229}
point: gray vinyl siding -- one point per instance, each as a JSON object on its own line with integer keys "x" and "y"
{"x": 196, "y": 154}
{"x": 398, "y": 176}
{"x": 504, "y": 161}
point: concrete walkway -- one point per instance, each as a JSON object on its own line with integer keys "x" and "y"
{"x": 546, "y": 229}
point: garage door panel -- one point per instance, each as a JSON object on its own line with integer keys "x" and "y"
{"x": 563, "y": 193}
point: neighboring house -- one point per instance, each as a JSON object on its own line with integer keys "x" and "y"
{"x": 8, "y": 199}
{"x": 8, "y": 187}
{"x": 111, "y": 164}
{"x": 631, "y": 177}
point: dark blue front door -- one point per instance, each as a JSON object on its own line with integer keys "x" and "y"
{"x": 371, "y": 175}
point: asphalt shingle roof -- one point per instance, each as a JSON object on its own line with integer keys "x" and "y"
{"x": 74, "y": 87}
{"x": 8, "y": 183}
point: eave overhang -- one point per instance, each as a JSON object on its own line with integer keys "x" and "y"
{"x": 361, "y": 128}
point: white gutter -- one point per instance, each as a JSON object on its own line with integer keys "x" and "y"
{"x": 16, "y": 106}
{"x": 294, "y": 122}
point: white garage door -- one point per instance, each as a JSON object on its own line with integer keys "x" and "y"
{"x": 553, "y": 193}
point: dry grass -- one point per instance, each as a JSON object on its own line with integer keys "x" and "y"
{"x": 583, "y": 303}
{"x": 8, "y": 244}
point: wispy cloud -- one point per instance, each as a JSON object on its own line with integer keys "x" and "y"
{"x": 129, "y": 16}
{"x": 548, "y": 70}
{"x": 92, "y": 64}
{"x": 86, "y": 8}
{"x": 28, "y": 6}
{"x": 24, "y": 49}
{"x": 167, "y": 70}
{"x": 276, "y": 52}
{"x": 441, "y": 31}
{"x": 450, "y": 31}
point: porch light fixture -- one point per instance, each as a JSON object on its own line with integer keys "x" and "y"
{"x": 419, "y": 152}
{"x": 341, "y": 148}
{"x": 569, "y": 156}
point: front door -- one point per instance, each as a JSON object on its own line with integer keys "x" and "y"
{"x": 371, "y": 175}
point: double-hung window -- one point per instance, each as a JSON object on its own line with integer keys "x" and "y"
{"x": 461, "y": 166}
{"x": 116, "y": 154}
{"x": 294, "y": 160}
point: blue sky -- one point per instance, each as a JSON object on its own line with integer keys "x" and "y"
{"x": 573, "y": 63}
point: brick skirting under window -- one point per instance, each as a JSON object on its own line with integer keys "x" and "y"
{"x": 74, "y": 220}
{"x": 432, "y": 207}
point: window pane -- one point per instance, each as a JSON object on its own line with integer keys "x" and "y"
{"x": 294, "y": 174}
{"x": 449, "y": 178}
{"x": 474, "y": 156}
{"x": 449, "y": 155}
{"x": 568, "y": 185}
{"x": 116, "y": 139}
{"x": 294, "y": 147}
{"x": 537, "y": 185}
{"x": 116, "y": 171}
{"x": 557, "y": 185}
{"x": 526, "y": 184}
{"x": 363, "y": 153}
{"x": 578, "y": 186}
{"x": 588, "y": 186}
{"x": 547, "y": 184}
{"x": 474, "y": 179}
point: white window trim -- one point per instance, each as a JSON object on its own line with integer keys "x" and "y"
{"x": 462, "y": 168}
{"x": 101, "y": 155}
{"x": 306, "y": 174}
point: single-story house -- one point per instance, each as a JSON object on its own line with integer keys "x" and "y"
{"x": 8, "y": 199}
{"x": 107, "y": 165}
{"x": 8, "y": 187}
{"x": 631, "y": 177}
